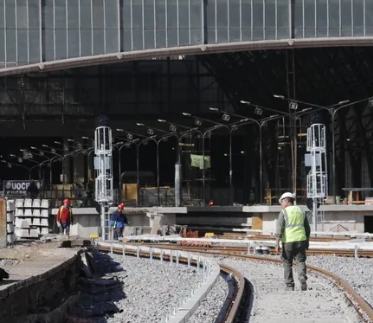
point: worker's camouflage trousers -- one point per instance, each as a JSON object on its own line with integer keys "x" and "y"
{"x": 294, "y": 251}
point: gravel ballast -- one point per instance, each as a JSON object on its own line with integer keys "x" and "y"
{"x": 148, "y": 291}
{"x": 211, "y": 305}
{"x": 155, "y": 287}
{"x": 322, "y": 302}
{"x": 358, "y": 272}
{"x": 143, "y": 290}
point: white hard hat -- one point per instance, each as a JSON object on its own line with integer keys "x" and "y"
{"x": 285, "y": 195}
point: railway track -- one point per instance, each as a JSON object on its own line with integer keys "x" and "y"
{"x": 234, "y": 305}
{"x": 244, "y": 250}
{"x": 361, "y": 306}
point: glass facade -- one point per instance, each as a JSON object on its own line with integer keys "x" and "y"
{"x": 33, "y": 31}
{"x": 333, "y": 18}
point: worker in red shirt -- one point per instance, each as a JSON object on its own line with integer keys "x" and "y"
{"x": 64, "y": 217}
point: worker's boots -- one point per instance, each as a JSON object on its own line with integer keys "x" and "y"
{"x": 289, "y": 287}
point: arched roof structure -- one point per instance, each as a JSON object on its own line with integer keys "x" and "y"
{"x": 58, "y": 34}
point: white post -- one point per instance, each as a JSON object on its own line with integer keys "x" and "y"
{"x": 317, "y": 178}
{"x": 103, "y": 231}
{"x": 178, "y": 183}
{"x": 314, "y": 215}
{"x": 103, "y": 164}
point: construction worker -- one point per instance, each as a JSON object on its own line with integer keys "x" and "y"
{"x": 64, "y": 217}
{"x": 118, "y": 221}
{"x": 294, "y": 231}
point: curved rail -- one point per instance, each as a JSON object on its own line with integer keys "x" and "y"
{"x": 233, "y": 310}
{"x": 360, "y": 304}
{"x": 363, "y": 308}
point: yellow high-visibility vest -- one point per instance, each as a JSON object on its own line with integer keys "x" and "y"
{"x": 294, "y": 225}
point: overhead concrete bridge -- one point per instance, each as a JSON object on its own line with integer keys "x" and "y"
{"x": 57, "y": 34}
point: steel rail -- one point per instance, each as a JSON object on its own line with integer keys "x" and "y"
{"x": 237, "y": 250}
{"x": 362, "y": 307}
{"x": 233, "y": 310}
{"x": 360, "y": 304}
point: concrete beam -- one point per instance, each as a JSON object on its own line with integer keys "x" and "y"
{"x": 202, "y": 49}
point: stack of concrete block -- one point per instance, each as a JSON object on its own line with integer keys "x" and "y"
{"x": 27, "y": 203}
{"x": 31, "y": 218}
{"x": 34, "y": 233}
{"x": 44, "y": 215}
{"x": 19, "y": 203}
{"x": 45, "y": 204}
{"x": 10, "y": 211}
{"x": 23, "y": 223}
{"x": 21, "y": 233}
